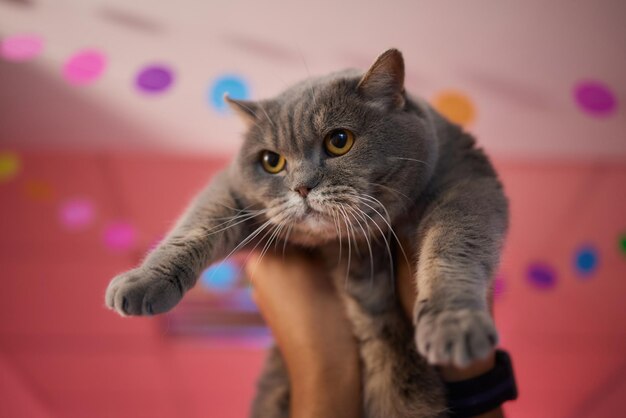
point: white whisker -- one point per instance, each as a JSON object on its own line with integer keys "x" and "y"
{"x": 410, "y": 159}
{"x": 388, "y": 222}
{"x": 349, "y": 247}
{"x": 286, "y": 239}
{"x": 367, "y": 240}
{"x": 391, "y": 263}
{"x": 266, "y": 115}
{"x": 392, "y": 190}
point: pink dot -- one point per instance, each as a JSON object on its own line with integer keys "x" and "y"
{"x": 21, "y": 47}
{"x": 119, "y": 236}
{"x": 76, "y": 213}
{"x": 84, "y": 67}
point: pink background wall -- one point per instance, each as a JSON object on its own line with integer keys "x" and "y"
{"x": 541, "y": 85}
{"x": 63, "y": 354}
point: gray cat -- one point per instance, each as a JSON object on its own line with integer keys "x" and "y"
{"x": 349, "y": 165}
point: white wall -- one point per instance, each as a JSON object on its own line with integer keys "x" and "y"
{"x": 518, "y": 62}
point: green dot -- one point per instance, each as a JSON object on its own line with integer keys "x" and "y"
{"x": 622, "y": 243}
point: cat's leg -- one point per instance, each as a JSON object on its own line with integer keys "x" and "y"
{"x": 211, "y": 226}
{"x": 397, "y": 382}
{"x": 460, "y": 238}
{"x": 273, "y": 394}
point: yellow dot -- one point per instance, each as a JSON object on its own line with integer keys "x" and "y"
{"x": 455, "y": 106}
{"x": 9, "y": 166}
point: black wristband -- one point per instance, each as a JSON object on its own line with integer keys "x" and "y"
{"x": 468, "y": 398}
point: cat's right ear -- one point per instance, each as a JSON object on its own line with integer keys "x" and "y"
{"x": 384, "y": 81}
{"x": 248, "y": 110}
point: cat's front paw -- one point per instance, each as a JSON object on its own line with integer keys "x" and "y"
{"x": 143, "y": 291}
{"x": 456, "y": 337}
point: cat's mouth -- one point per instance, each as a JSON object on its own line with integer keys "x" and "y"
{"x": 313, "y": 219}
{"x": 314, "y": 214}
{"x": 309, "y": 210}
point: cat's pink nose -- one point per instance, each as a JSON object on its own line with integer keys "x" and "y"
{"x": 303, "y": 190}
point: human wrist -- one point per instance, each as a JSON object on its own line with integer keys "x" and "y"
{"x": 480, "y": 392}
{"x": 324, "y": 385}
{"x": 455, "y": 374}
{"x": 315, "y": 360}
{"x": 450, "y": 373}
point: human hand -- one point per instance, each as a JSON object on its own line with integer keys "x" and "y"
{"x": 305, "y": 314}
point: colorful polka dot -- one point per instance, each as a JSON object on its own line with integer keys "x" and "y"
{"x": 220, "y": 278}
{"x": 85, "y": 67}
{"x": 455, "y": 106}
{"x": 541, "y": 276}
{"x": 21, "y": 47}
{"x": 233, "y": 85}
{"x": 9, "y": 166}
{"x": 38, "y": 190}
{"x": 622, "y": 243}
{"x": 595, "y": 98}
{"x": 586, "y": 260}
{"x": 499, "y": 287}
{"x": 242, "y": 299}
{"x": 154, "y": 79}
{"x": 119, "y": 236}
{"x": 76, "y": 214}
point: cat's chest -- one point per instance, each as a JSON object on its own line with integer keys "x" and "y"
{"x": 365, "y": 274}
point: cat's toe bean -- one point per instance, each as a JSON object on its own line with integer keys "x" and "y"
{"x": 142, "y": 292}
{"x": 161, "y": 297}
{"x": 455, "y": 337}
{"x": 478, "y": 342}
{"x": 129, "y": 297}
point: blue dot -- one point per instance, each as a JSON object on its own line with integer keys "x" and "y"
{"x": 235, "y": 86}
{"x": 221, "y": 277}
{"x": 586, "y": 260}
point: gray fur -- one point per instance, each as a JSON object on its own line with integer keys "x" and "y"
{"x": 409, "y": 169}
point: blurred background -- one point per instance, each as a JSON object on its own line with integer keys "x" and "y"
{"x": 111, "y": 119}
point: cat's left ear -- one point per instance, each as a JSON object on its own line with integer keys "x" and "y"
{"x": 247, "y": 109}
{"x": 384, "y": 81}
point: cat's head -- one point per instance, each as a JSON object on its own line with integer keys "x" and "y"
{"x": 348, "y": 151}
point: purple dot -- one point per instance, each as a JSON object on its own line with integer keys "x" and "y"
{"x": 76, "y": 214}
{"x": 595, "y": 98}
{"x": 119, "y": 236}
{"x": 154, "y": 79}
{"x": 541, "y": 275}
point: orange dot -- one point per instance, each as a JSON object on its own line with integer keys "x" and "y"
{"x": 455, "y": 106}
{"x": 38, "y": 190}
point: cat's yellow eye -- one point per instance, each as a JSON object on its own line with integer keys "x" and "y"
{"x": 272, "y": 163}
{"x": 338, "y": 142}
